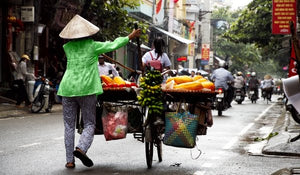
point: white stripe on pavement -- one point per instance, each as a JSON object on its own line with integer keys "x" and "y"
{"x": 264, "y": 112}
{"x": 235, "y": 139}
{"x": 29, "y": 145}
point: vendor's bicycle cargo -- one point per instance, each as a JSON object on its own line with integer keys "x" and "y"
{"x": 173, "y": 113}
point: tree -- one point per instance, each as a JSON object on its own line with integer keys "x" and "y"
{"x": 112, "y": 18}
{"x": 253, "y": 26}
{"x": 241, "y": 55}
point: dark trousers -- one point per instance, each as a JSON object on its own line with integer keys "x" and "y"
{"x": 21, "y": 92}
{"x": 230, "y": 94}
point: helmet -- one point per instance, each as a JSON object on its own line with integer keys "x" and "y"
{"x": 253, "y": 74}
{"x": 25, "y": 57}
{"x": 222, "y": 64}
{"x": 239, "y": 73}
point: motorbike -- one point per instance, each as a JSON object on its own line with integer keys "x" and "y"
{"x": 44, "y": 97}
{"x": 289, "y": 107}
{"x": 239, "y": 95}
{"x": 253, "y": 96}
{"x": 267, "y": 93}
{"x": 220, "y": 102}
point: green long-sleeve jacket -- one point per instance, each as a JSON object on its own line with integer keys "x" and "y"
{"x": 81, "y": 77}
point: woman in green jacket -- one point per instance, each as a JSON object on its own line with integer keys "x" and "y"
{"x": 81, "y": 83}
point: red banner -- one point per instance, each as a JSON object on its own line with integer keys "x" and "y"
{"x": 283, "y": 12}
{"x": 205, "y": 52}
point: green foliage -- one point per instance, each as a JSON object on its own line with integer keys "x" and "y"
{"x": 112, "y": 18}
{"x": 249, "y": 42}
{"x": 242, "y": 55}
{"x": 254, "y": 26}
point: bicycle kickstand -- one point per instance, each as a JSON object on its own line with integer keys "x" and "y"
{"x": 295, "y": 138}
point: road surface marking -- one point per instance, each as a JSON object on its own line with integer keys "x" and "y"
{"x": 199, "y": 173}
{"x": 236, "y": 138}
{"x": 29, "y": 145}
{"x": 264, "y": 112}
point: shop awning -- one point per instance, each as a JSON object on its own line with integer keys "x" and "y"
{"x": 178, "y": 38}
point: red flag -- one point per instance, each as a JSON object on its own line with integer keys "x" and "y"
{"x": 192, "y": 24}
{"x": 158, "y": 6}
{"x": 175, "y": 1}
{"x": 292, "y": 67}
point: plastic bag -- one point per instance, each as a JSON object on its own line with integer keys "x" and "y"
{"x": 115, "y": 124}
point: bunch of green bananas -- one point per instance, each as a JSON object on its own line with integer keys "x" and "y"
{"x": 151, "y": 94}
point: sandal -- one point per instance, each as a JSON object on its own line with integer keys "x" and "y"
{"x": 83, "y": 157}
{"x": 70, "y": 165}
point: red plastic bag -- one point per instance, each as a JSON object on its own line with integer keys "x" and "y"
{"x": 115, "y": 125}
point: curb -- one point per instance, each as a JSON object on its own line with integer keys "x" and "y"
{"x": 8, "y": 110}
{"x": 280, "y": 144}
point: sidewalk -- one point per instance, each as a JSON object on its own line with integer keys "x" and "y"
{"x": 281, "y": 145}
{"x": 9, "y": 109}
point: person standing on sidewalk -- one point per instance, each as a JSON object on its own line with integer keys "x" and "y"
{"x": 19, "y": 83}
{"x": 81, "y": 83}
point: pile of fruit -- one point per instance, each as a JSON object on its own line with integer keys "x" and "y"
{"x": 151, "y": 93}
{"x": 116, "y": 82}
{"x": 189, "y": 83}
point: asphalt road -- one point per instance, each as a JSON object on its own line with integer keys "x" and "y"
{"x": 34, "y": 145}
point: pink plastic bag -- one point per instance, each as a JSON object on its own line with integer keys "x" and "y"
{"x": 115, "y": 125}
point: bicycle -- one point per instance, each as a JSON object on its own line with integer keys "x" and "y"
{"x": 43, "y": 96}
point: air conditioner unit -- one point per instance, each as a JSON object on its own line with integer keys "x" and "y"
{"x": 27, "y": 14}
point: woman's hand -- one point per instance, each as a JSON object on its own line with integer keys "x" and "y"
{"x": 134, "y": 34}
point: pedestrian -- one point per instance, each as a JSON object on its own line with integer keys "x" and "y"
{"x": 106, "y": 68}
{"x": 81, "y": 83}
{"x": 157, "y": 58}
{"x": 19, "y": 83}
{"x": 193, "y": 73}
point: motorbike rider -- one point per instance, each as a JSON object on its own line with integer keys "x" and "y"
{"x": 239, "y": 82}
{"x": 254, "y": 84}
{"x": 221, "y": 78}
{"x": 267, "y": 84}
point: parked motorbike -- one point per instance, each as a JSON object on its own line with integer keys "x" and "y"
{"x": 294, "y": 113}
{"x": 43, "y": 95}
{"x": 239, "y": 95}
{"x": 253, "y": 96}
{"x": 220, "y": 102}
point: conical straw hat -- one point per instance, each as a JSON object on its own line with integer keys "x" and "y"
{"x": 78, "y": 27}
{"x": 268, "y": 77}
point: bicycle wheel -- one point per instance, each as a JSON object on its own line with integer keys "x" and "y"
{"x": 148, "y": 147}
{"x": 38, "y": 103}
{"x": 159, "y": 150}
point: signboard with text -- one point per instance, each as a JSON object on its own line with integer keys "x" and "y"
{"x": 284, "y": 11}
{"x": 205, "y": 54}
